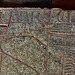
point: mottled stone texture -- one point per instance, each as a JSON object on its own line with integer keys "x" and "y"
{"x": 37, "y": 41}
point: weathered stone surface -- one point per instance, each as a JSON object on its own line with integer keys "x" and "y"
{"x": 37, "y": 41}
